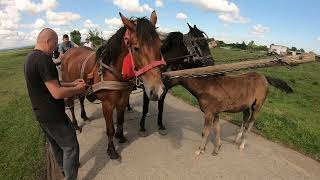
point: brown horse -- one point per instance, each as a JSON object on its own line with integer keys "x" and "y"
{"x": 215, "y": 94}
{"x": 143, "y": 43}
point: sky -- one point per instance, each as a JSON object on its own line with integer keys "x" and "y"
{"x": 285, "y": 22}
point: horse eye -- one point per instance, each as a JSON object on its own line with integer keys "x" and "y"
{"x": 136, "y": 49}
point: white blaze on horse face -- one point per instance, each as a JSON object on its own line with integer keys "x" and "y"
{"x": 154, "y": 91}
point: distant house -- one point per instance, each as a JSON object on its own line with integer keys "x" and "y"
{"x": 278, "y": 49}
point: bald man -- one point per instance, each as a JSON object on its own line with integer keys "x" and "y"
{"x": 46, "y": 93}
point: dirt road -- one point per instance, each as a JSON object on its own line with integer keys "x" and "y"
{"x": 171, "y": 156}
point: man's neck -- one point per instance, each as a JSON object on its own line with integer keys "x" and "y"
{"x": 37, "y": 47}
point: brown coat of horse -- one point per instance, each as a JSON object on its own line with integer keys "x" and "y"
{"x": 215, "y": 94}
{"x": 144, "y": 43}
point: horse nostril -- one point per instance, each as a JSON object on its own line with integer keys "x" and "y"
{"x": 153, "y": 95}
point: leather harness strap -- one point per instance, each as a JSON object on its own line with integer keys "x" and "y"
{"x": 83, "y": 67}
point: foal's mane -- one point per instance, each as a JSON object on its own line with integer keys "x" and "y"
{"x": 146, "y": 35}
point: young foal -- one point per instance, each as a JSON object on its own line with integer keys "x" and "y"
{"x": 173, "y": 48}
{"x": 215, "y": 94}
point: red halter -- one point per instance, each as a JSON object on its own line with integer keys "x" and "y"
{"x": 126, "y": 72}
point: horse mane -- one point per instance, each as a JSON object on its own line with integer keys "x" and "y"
{"x": 110, "y": 51}
{"x": 172, "y": 38}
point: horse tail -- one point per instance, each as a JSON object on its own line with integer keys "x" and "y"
{"x": 280, "y": 84}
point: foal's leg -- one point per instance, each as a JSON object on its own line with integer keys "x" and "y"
{"x": 217, "y": 134}
{"x": 83, "y": 112}
{"x": 120, "y": 119}
{"x": 248, "y": 125}
{"x": 108, "y": 112}
{"x": 205, "y": 133}
{"x": 70, "y": 104}
{"x": 142, "y": 131}
{"x": 162, "y": 129}
{"x": 246, "y": 115}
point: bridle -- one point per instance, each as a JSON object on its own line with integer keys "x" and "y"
{"x": 146, "y": 68}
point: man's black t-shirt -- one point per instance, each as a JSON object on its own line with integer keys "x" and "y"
{"x": 38, "y": 69}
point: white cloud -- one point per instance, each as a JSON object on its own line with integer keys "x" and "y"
{"x": 114, "y": 22}
{"x": 33, "y": 7}
{"x": 39, "y": 23}
{"x": 9, "y": 18}
{"x": 259, "y": 30}
{"x": 61, "y": 18}
{"x": 228, "y": 12}
{"x": 132, "y": 6}
{"x": 159, "y": 3}
{"x": 181, "y": 16}
{"x": 89, "y": 24}
{"x": 318, "y": 38}
{"x": 233, "y": 18}
{"x": 107, "y": 34}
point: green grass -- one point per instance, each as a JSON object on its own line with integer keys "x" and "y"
{"x": 21, "y": 141}
{"x": 222, "y": 56}
{"x": 290, "y": 119}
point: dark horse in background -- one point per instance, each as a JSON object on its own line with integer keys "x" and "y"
{"x": 174, "y": 47}
{"x": 106, "y": 65}
{"x": 178, "y": 56}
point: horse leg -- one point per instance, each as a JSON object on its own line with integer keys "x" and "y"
{"x": 129, "y": 108}
{"x": 246, "y": 115}
{"x": 120, "y": 119}
{"x": 70, "y": 104}
{"x": 217, "y": 134}
{"x": 108, "y": 112}
{"x": 162, "y": 129}
{"x": 205, "y": 133}
{"x": 83, "y": 112}
{"x": 248, "y": 125}
{"x": 142, "y": 131}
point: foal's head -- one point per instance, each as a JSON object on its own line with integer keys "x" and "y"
{"x": 145, "y": 45}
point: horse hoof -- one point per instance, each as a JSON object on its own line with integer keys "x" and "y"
{"x": 113, "y": 154}
{"x": 86, "y": 119}
{"x": 214, "y": 153}
{"x": 129, "y": 109}
{"x": 143, "y": 133}
{"x": 163, "y": 132}
{"x": 78, "y": 129}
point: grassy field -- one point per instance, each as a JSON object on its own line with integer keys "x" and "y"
{"x": 223, "y": 56}
{"x": 290, "y": 119}
{"x": 21, "y": 141}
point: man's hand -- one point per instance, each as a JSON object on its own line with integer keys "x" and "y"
{"x": 80, "y": 85}
{"x": 75, "y": 82}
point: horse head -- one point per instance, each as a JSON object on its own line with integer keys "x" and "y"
{"x": 144, "y": 44}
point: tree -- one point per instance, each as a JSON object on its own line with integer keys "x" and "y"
{"x": 302, "y": 50}
{"x": 251, "y": 45}
{"x": 94, "y": 36}
{"x": 75, "y": 37}
{"x": 243, "y": 45}
{"x": 293, "y": 49}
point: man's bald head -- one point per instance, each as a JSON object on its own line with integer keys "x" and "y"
{"x": 46, "y": 34}
{"x": 47, "y": 40}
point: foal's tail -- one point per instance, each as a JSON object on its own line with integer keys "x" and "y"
{"x": 280, "y": 84}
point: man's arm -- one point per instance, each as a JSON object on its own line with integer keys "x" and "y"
{"x": 71, "y": 84}
{"x": 59, "y": 92}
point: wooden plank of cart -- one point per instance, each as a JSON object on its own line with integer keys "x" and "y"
{"x": 244, "y": 65}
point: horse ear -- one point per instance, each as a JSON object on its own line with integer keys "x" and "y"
{"x": 195, "y": 27}
{"x": 153, "y": 17}
{"x": 127, "y": 22}
{"x": 189, "y": 26}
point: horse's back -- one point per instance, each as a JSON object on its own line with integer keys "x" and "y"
{"x": 73, "y": 60}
